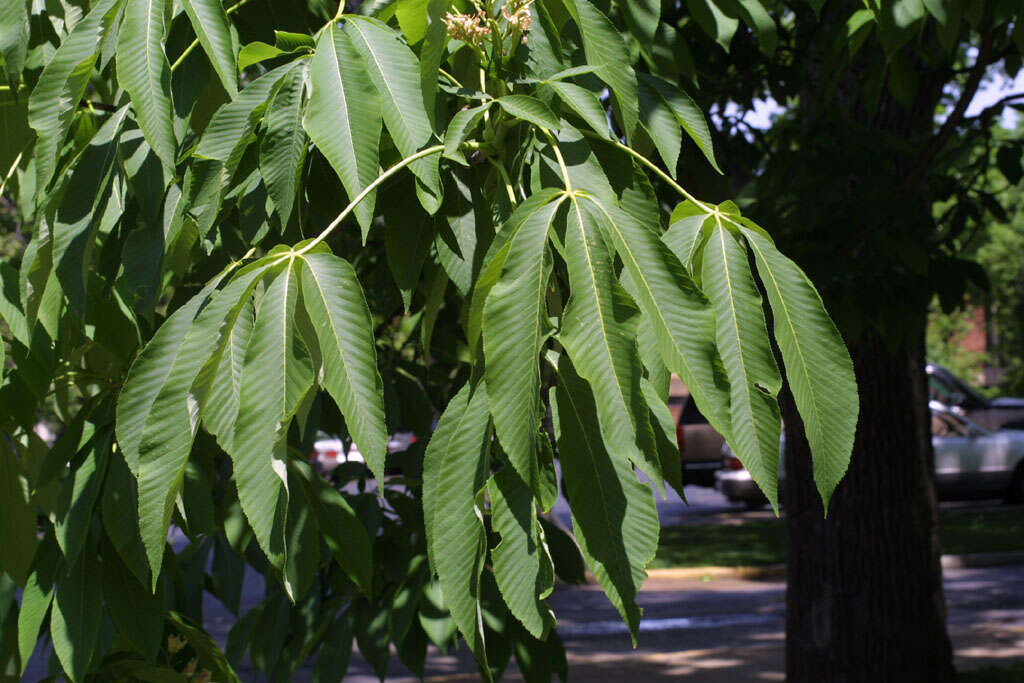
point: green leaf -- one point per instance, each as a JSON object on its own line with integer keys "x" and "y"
{"x": 613, "y": 515}
{"x": 14, "y": 38}
{"x": 35, "y": 601}
{"x": 529, "y": 109}
{"x": 78, "y": 498}
{"x": 343, "y": 117}
{"x": 52, "y": 104}
{"x": 606, "y": 51}
{"x": 454, "y": 470}
{"x": 276, "y": 375}
{"x": 290, "y": 41}
{"x": 515, "y": 325}
{"x": 686, "y": 234}
{"x": 674, "y": 309}
{"x": 432, "y": 52}
{"x": 517, "y": 557}
{"x": 336, "y": 651}
{"x": 664, "y": 426}
{"x": 689, "y": 115}
{"x": 585, "y": 103}
{"x": 119, "y": 508}
{"x": 818, "y": 366}
{"x": 219, "y": 385}
{"x": 660, "y": 123}
{"x": 461, "y": 125}
{"x": 256, "y": 52}
{"x": 143, "y": 70}
{"x": 335, "y": 302}
{"x": 342, "y": 530}
{"x": 213, "y": 29}
{"x": 395, "y": 73}
{"x": 283, "y": 147}
{"x": 18, "y": 524}
{"x": 599, "y": 328}
{"x": 170, "y": 423}
{"x": 716, "y": 23}
{"x": 137, "y": 613}
{"x": 754, "y": 379}
{"x": 76, "y": 616}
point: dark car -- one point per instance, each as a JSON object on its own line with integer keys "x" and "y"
{"x": 955, "y": 394}
{"x": 700, "y": 445}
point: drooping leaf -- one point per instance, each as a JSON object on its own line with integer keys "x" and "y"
{"x": 461, "y": 125}
{"x": 60, "y": 87}
{"x": 613, "y": 515}
{"x": 18, "y": 526}
{"x": 610, "y": 58}
{"x": 660, "y": 123}
{"x": 395, "y": 73}
{"x": 818, "y": 367}
{"x": 343, "y": 117}
{"x": 213, "y": 29}
{"x": 599, "y": 333}
{"x": 515, "y": 325}
{"x": 276, "y": 375}
{"x": 687, "y": 113}
{"x": 14, "y": 38}
{"x": 585, "y": 103}
{"x": 675, "y": 311}
{"x": 717, "y": 24}
{"x": 517, "y": 557}
{"x": 335, "y": 302}
{"x": 283, "y": 147}
{"x": 81, "y": 489}
{"x": 754, "y": 380}
{"x": 76, "y": 614}
{"x": 35, "y": 602}
{"x": 454, "y": 470}
{"x": 143, "y": 70}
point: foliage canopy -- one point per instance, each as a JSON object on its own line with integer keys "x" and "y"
{"x": 363, "y": 222}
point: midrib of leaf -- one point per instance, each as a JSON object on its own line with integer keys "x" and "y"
{"x": 597, "y": 299}
{"x": 640, "y": 271}
{"x": 284, "y": 342}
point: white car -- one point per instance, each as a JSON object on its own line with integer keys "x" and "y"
{"x": 328, "y": 453}
{"x": 970, "y": 462}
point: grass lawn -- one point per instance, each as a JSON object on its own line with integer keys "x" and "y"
{"x": 760, "y": 543}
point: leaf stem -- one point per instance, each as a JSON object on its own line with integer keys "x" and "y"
{"x": 504, "y": 177}
{"x": 10, "y": 172}
{"x": 188, "y": 50}
{"x": 654, "y": 167}
{"x": 558, "y": 155}
{"x": 366, "y": 191}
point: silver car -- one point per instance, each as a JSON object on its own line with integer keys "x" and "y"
{"x": 970, "y": 462}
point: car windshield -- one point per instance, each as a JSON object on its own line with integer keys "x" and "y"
{"x": 949, "y": 390}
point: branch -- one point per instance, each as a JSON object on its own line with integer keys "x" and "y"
{"x": 977, "y": 72}
{"x": 996, "y": 106}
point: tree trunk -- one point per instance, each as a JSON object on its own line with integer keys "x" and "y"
{"x": 865, "y": 599}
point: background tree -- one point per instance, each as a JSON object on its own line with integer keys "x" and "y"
{"x": 252, "y": 222}
{"x": 874, "y": 138}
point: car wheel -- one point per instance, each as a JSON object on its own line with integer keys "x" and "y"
{"x": 1016, "y": 492}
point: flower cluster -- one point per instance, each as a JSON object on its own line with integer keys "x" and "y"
{"x": 517, "y": 13}
{"x": 469, "y": 28}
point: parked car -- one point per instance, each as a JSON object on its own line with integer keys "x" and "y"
{"x": 970, "y": 462}
{"x": 699, "y": 444}
{"x": 990, "y": 413}
{"x": 330, "y": 452}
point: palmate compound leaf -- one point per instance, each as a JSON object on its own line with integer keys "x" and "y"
{"x": 455, "y": 469}
{"x": 60, "y": 87}
{"x": 158, "y": 413}
{"x": 742, "y": 336}
{"x": 343, "y": 117}
{"x": 515, "y": 325}
{"x": 599, "y": 329}
{"x": 394, "y": 71}
{"x": 614, "y": 517}
{"x": 675, "y": 310}
{"x": 818, "y": 366}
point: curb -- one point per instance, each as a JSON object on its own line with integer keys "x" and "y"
{"x": 778, "y": 571}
